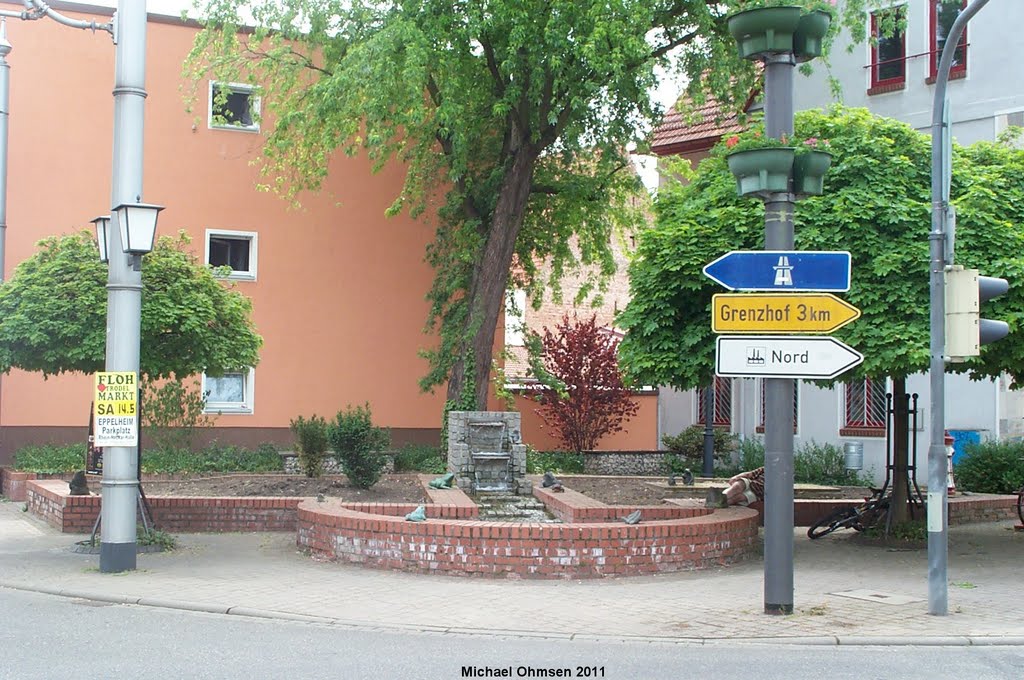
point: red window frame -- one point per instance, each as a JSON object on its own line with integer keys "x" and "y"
{"x": 957, "y": 70}
{"x": 894, "y": 83}
{"x": 796, "y": 405}
{"x": 723, "y": 403}
{"x": 869, "y": 390}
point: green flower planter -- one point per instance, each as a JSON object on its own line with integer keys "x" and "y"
{"x": 761, "y": 170}
{"x": 764, "y": 30}
{"x": 809, "y": 170}
{"x": 809, "y": 33}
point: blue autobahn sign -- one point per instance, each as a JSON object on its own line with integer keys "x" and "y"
{"x": 781, "y": 270}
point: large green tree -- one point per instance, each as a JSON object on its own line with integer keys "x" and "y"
{"x": 518, "y": 112}
{"x": 877, "y": 205}
{"x": 53, "y": 313}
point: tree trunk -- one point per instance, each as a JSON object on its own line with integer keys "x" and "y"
{"x": 900, "y": 447}
{"x": 486, "y": 295}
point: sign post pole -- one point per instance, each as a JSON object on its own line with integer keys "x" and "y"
{"x": 778, "y": 392}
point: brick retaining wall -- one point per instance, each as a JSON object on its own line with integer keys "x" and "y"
{"x": 695, "y": 538}
{"x": 12, "y": 483}
{"x": 963, "y": 509}
{"x": 49, "y": 500}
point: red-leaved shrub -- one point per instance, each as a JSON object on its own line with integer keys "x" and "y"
{"x": 582, "y": 397}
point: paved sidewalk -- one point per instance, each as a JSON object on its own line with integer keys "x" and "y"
{"x": 265, "y": 575}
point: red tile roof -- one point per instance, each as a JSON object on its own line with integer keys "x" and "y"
{"x": 709, "y": 122}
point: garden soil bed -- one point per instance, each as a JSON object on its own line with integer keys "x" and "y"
{"x": 406, "y": 488}
{"x": 394, "y": 488}
{"x": 389, "y": 489}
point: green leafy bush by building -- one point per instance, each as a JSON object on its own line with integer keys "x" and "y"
{"x": 50, "y": 459}
{"x": 559, "y": 462}
{"x": 172, "y": 412}
{"x": 991, "y": 467}
{"x": 359, "y": 445}
{"x": 686, "y": 449}
{"x": 421, "y": 458}
{"x": 813, "y": 463}
{"x": 310, "y": 443}
{"x": 216, "y": 457}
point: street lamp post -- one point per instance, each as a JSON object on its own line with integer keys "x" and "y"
{"x": 124, "y": 280}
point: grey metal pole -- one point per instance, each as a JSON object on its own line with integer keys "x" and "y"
{"x": 709, "y": 430}
{"x": 938, "y": 544}
{"x": 778, "y": 396}
{"x": 120, "y": 484}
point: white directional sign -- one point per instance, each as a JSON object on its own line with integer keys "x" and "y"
{"x": 783, "y": 356}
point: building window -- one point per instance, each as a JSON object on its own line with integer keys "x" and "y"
{"x": 229, "y": 393}
{"x": 796, "y": 405}
{"x": 723, "y": 403}
{"x": 234, "y": 106}
{"x": 943, "y": 14}
{"x": 864, "y": 408}
{"x": 515, "y": 318}
{"x": 235, "y": 249}
{"x": 888, "y": 52}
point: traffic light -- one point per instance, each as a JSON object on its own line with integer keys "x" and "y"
{"x": 966, "y": 331}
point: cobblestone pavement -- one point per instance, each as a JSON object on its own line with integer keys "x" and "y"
{"x": 845, "y": 593}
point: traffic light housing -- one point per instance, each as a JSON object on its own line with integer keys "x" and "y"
{"x": 966, "y": 331}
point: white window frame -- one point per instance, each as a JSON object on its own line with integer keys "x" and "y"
{"x": 254, "y": 105}
{"x": 515, "y": 322}
{"x": 245, "y": 407}
{"x": 251, "y": 236}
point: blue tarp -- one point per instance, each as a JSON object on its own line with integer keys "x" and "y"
{"x": 961, "y": 438}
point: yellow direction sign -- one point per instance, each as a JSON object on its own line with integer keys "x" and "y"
{"x": 780, "y": 313}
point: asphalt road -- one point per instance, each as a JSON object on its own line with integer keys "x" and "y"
{"x": 44, "y": 636}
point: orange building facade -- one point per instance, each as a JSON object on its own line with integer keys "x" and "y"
{"x": 338, "y": 289}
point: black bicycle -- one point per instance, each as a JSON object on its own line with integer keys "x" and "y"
{"x": 858, "y": 517}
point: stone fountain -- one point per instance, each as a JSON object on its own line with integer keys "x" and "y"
{"x": 486, "y": 451}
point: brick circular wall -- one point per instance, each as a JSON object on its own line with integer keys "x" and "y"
{"x": 687, "y": 539}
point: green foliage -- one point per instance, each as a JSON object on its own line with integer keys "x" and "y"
{"x": 358, "y": 445}
{"x": 214, "y": 458}
{"x": 310, "y": 443}
{"x": 877, "y": 197}
{"x": 824, "y": 464}
{"x": 171, "y": 413}
{"x": 991, "y": 467}
{"x": 50, "y": 459}
{"x": 813, "y": 463}
{"x": 559, "y": 462}
{"x": 518, "y": 111}
{"x": 686, "y": 449}
{"x": 912, "y": 531}
{"x": 163, "y": 539}
{"x": 421, "y": 458}
{"x": 53, "y": 313}
{"x": 751, "y": 453}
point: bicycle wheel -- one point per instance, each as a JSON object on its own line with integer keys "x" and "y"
{"x": 837, "y": 519}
